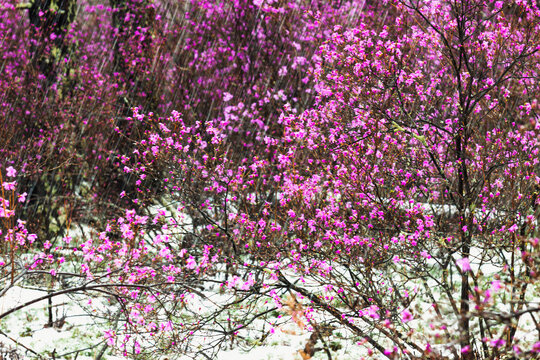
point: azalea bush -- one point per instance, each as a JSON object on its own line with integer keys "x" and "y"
{"x": 16, "y": 259}
{"x": 73, "y": 71}
{"x": 415, "y": 166}
{"x": 366, "y": 168}
{"x": 401, "y": 207}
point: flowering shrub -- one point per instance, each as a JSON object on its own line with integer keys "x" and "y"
{"x": 415, "y": 169}
{"x": 16, "y": 257}
{"x": 372, "y": 174}
{"x": 70, "y": 85}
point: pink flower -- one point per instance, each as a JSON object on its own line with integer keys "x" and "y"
{"x": 168, "y": 326}
{"x": 190, "y": 263}
{"x": 406, "y": 316}
{"x": 22, "y": 197}
{"x": 11, "y": 172}
{"x": 227, "y": 96}
{"x": 496, "y": 285}
{"x": 497, "y": 343}
{"x": 110, "y": 335}
{"x": 464, "y": 264}
{"x": 372, "y": 312}
{"x": 10, "y": 185}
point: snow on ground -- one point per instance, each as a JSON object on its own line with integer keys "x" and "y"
{"x": 26, "y": 330}
{"x": 75, "y": 329}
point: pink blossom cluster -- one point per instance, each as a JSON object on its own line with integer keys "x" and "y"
{"x": 345, "y": 163}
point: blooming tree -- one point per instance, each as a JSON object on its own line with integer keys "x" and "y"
{"x": 72, "y": 71}
{"x": 384, "y": 186}
{"x": 415, "y": 170}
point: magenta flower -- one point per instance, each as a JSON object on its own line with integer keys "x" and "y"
{"x": 10, "y": 185}
{"x": 406, "y": 316}
{"x": 372, "y": 312}
{"x": 110, "y": 335}
{"x": 227, "y": 96}
{"x": 22, "y": 197}
{"x": 11, "y": 172}
{"x": 464, "y": 264}
{"x": 497, "y": 343}
{"x": 190, "y": 263}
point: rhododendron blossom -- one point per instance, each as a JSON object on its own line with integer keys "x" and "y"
{"x": 202, "y": 172}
